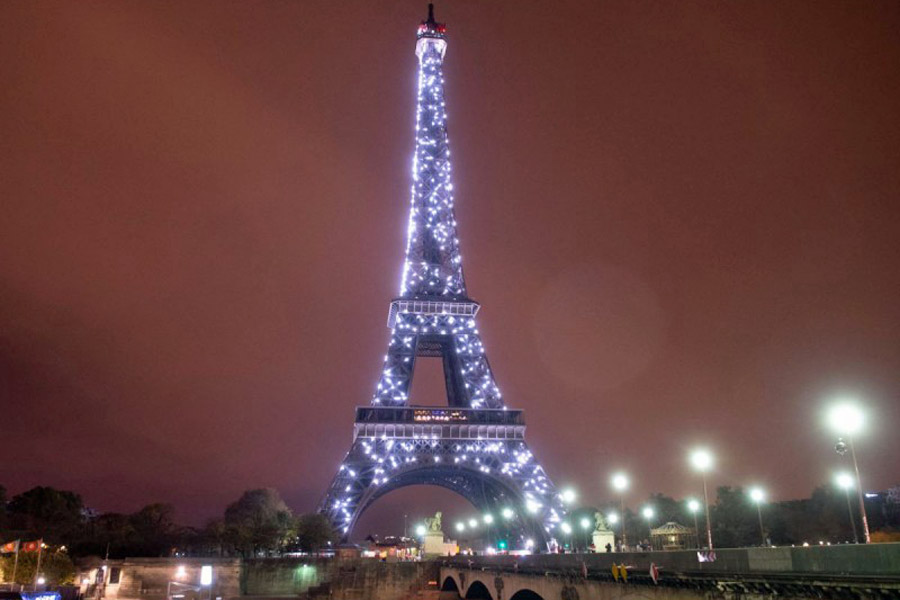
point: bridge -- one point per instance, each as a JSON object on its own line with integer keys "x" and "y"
{"x": 851, "y": 572}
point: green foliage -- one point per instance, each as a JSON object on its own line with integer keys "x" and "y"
{"x": 56, "y": 567}
{"x": 259, "y": 522}
{"x": 314, "y": 531}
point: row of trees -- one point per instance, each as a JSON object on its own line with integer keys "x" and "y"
{"x": 823, "y": 516}
{"x": 258, "y": 523}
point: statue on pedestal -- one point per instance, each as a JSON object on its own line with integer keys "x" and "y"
{"x": 434, "y": 523}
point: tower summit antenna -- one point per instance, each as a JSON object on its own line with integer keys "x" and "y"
{"x": 431, "y": 28}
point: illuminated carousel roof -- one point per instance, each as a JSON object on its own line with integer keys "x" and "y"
{"x": 672, "y": 528}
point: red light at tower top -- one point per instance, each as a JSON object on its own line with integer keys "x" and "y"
{"x": 430, "y": 27}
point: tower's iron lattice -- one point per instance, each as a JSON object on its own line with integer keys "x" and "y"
{"x": 476, "y": 446}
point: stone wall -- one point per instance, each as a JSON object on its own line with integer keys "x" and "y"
{"x": 356, "y": 579}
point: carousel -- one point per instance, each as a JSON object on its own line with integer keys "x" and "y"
{"x": 673, "y": 536}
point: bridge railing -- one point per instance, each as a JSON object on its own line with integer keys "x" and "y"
{"x": 862, "y": 560}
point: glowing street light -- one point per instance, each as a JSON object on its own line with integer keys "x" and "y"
{"x": 845, "y": 482}
{"x": 613, "y": 518}
{"x": 847, "y": 419}
{"x": 585, "y": 523}
{"x": 568, "y": 495}
{"x": 694, "y": 506}
{"x": 757, "y": 495}
{"x": 702, "y": 461}
{"x": 566, "y": 528}
{"x": 420, "y": 530}
{"x": 460, "y": 526}
{"x": 648, "y": 513}
{"x": 508, "y": 513}
{"x": 488, "y": 518}
{"x": 473, "y": 523}
{"x": 620, "y": 483}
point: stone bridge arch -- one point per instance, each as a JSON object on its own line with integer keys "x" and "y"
{"x": 477, "y": 590}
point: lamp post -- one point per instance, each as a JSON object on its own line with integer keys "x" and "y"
{"x": 702, "y": 461}
{"x": 585, "y": 526}
{"x": 847, "y": 419}
{"x": 566, "y": 529}
{"x": 694, "y": 506}
{"x": 757, "y": 495}
{"x": 845, "y": 481}
{"x": 620, "y": 484}
{"x": 648, "y": 514}
{"x": 612, "y": 519}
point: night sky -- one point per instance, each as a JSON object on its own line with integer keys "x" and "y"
{"x": 682, "y": 220}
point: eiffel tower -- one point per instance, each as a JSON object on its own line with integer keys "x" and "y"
{"x": 475, "y": 446}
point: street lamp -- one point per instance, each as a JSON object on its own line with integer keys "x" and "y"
{"x": 694, "y": 506}
{"x": 702, "y": 461}
{"x": 757, "y": 495}
{"x": 585, "y": 526}
{"x": 473, "y": 523}
{"x": 488, "y": 519}
{"x": 845, "y": 481}
{"x": 847, "y": 419}
{"x": 420, "y": 530}
{"x": 508, "y": 513}
{"x": 460, "y": 526}
{"x": 620, "y": 484}
{"x": 568, "y": 495}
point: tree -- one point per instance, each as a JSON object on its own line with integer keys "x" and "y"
{"x": 734, "y": 519}
{"x": 214, "y": 537}
{"x": 47, "y": 513}
{"x": 154, "y": 529}
{"x": 259, "y": 521}
{"x": 56, "y": 567}
{"x": 314, "y": 531}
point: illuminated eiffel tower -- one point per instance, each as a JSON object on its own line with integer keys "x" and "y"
{"x": 476, "y": 446}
